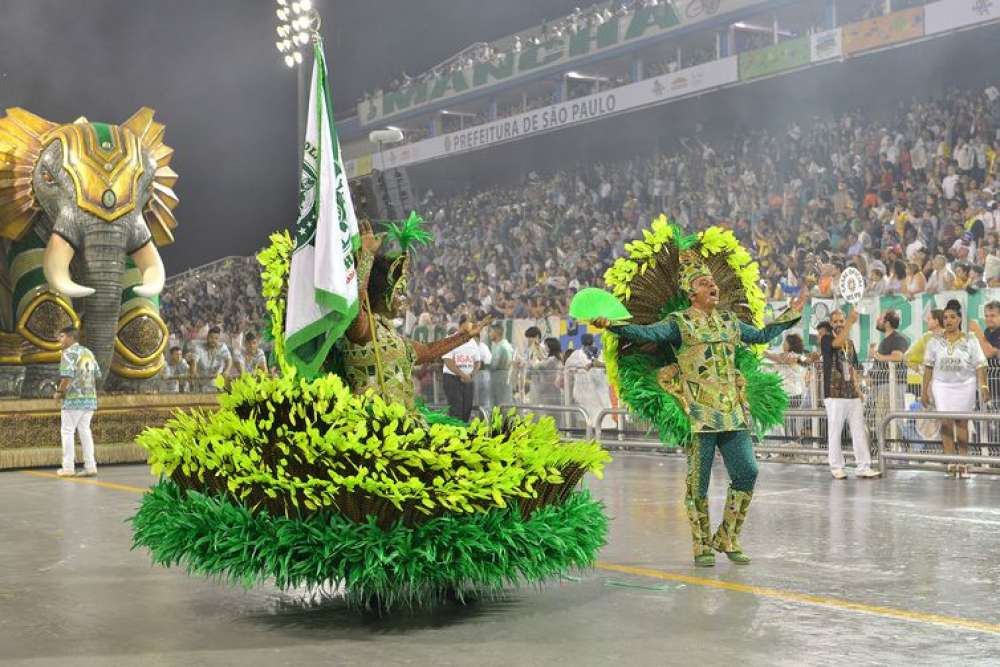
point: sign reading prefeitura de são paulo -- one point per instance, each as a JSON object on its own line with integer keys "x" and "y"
{"x": 643, "y": 23}
{"x": 633, "y": 96}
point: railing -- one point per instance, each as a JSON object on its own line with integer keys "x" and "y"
{"x": 560, "y": 409}
{"x": 621, "y": 441}
{"x": 886, "y": 455}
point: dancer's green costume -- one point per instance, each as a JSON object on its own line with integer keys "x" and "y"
{"x": 341, "y": 480}
{"x": 691, "y": 372}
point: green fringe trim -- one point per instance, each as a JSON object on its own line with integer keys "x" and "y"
{"x": 436, "y": 416}
{"x": 454, "y": 555}
{"x": 640, "y": 389}
{"x": 765, "y": 394}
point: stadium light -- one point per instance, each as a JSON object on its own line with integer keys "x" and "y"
{"x": 298, "y": 25}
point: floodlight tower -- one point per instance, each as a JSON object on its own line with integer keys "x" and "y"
{"x": 298, "y": 27}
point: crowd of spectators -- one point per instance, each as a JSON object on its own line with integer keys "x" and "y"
{"x": 224, "y": 294}
{"x": 906, "y": 196}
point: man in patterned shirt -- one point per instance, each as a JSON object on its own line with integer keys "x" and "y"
{"x": 842, "y": 396}
{"x": 78, "y": 392}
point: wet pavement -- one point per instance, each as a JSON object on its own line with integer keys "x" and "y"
{"x": 861, "y": 572}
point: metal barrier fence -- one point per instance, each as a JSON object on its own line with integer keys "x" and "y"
{"x": 887, "y": 448}
{"x": 553, "y": 411}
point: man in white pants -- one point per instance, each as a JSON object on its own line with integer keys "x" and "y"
{"x": 842, "y": 396}
{"x": 78, "y": 392}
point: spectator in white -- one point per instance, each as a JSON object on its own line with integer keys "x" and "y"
{"x": 965, "y": 157}
{"x": 213, "y": 359}
{"x": 460, "y": 366}
{"x": 842, "y": 395}
{"x": 877, "y": 284}
{"x": 502, "y": 359}
{"x": 915, "y": 282}
{"x": 548, "y": 374}
{"x": 918, "y": 156}
{"x": 942, "y": 277}
{"x": 527, "y": 358}
{"x": 949, "y": 182}
{"x": 588, "y": 378}
{"x": 78, "y": 373}
{"x": 953, "y": 363}
{"x": 176, "y": 372}
{"x": 791, "y": 365}
{"x": 484, "y": 376}
{"x": 251, "y": 358}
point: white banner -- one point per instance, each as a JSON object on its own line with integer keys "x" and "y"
{"x": 953, "y": 14}
{"x": 581, "y": 110}
{"x": 323, "y": 281}
{"x": 826, "y": 45}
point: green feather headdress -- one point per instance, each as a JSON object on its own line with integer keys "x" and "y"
{"x": 409, "y": 233}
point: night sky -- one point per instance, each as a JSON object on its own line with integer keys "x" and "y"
{"x": 211, "y": 71}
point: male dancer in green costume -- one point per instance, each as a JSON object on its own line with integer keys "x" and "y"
{"x": 710, "y": 388}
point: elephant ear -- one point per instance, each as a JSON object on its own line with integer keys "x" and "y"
{"x": 159, "y": 212}
{"x": 22, "y": 137}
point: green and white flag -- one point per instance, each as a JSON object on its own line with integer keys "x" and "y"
{"x": 323, "y": 281}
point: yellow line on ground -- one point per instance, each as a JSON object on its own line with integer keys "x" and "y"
{"x": 87, "y": 480}
{"x": 805, "y": 598}
{"x": 761, "y": 591}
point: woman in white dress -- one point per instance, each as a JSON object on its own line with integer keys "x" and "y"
{"x": 791, "y": 365}
{"x": 954, "y": 364}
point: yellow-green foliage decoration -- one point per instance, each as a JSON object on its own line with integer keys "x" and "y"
{"x": 276, "y": 260}
{"x": 305, "y": 483}
{"x": 291, "y": 446}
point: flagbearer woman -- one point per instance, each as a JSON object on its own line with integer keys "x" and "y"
{"x": 375, "y": 355}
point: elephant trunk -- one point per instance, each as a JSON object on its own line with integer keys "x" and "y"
{"x": 103, "y": 264}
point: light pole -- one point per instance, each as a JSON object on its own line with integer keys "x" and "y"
{"x": 298, "y": 25}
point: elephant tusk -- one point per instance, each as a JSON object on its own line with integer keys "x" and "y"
{"x": 147, "y": 260}
{"x": 55, "y": 265}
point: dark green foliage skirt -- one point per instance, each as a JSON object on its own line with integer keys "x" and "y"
{"x": 460, "y": 554}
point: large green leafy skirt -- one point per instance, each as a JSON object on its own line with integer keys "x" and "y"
{"x": 463, "y": 554}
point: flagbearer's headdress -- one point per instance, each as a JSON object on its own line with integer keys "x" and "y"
{"x": 691, "y": 268}
{"x": 408, "y": 234}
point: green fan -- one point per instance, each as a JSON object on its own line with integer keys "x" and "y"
{"x": 591, "y": 303}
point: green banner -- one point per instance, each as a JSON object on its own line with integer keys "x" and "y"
{"x": 912, "y": 315}
{"x": 773, "y": 59}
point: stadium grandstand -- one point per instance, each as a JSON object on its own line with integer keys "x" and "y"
{"x": 460, "y": 306}
{"x": 805, "y": 127}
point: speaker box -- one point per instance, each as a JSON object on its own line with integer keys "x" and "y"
{"x": 366, "y": 200}
{"x": 383, "y": 195}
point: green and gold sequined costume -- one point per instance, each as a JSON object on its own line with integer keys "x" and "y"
{"x": 375, "y": 355}
{"x": 692, "y": 371}
{"x": 709, "y": 385}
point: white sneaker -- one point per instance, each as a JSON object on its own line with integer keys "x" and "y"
{"x": 867, "y": 473}
{"x": 87, "y": 472}
{"x": 838, "y": 473}
{"x": 66, "y": 473}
